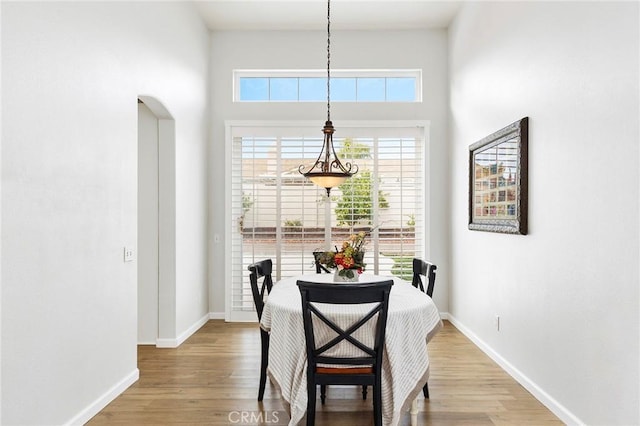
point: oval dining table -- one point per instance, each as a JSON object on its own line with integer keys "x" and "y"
{"x": 413, "y": 319}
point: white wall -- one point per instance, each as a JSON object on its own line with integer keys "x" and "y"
{"x": 567, "y": 293}
{"x": 72, "y": 73}
{"x": 426, "y": 50}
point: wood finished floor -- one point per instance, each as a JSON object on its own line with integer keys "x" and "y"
{"x": 212, "y": 379}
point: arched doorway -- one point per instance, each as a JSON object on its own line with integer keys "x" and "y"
{"x": 156, "y": 223}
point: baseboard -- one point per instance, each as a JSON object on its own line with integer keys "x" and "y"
{"x": 216, "y": 315}
{"x": 95, "y": 407}
{"x": 174, "y": 343}
{"x": 554, "y": 406}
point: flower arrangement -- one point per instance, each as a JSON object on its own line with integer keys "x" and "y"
{"x": 349, "y": 259}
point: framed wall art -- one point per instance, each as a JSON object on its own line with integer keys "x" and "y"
{"x": 498, "y": 180}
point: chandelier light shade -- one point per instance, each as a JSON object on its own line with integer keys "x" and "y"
{"x": 328, "y": 172}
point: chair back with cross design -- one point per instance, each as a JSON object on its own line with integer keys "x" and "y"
{"x": 320, "y": 268}
{"x": 426, "y": 269}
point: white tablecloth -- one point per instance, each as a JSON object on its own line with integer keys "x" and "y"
{"x": 412, "y": 321}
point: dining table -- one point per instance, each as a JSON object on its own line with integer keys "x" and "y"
{"x": 412, "y": 320}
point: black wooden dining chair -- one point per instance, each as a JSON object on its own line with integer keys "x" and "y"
{"x": 261, "y": 269}
{"x": 320, "y": 268}
{"x": 363, "y": 369}
{"x": 425, "y": 269}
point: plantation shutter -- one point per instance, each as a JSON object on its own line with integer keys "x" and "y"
{"x": 278, "y": 214}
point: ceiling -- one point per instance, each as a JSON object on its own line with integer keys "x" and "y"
{"x": 312, "y": 14}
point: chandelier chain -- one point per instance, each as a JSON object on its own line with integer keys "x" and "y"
{"x": 328, "y": 172}
{"x": 328, "y": 60}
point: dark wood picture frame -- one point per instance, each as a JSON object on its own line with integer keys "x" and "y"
{"x": 498, "y": 180}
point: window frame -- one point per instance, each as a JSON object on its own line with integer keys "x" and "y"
{"x": 335, "y": 73}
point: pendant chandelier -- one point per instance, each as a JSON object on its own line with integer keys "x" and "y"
{"x": 328, "y": 172}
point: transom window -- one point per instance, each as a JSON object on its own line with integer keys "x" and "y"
{"x": 311, "y": 86}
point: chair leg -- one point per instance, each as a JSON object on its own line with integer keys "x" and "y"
{"x": 364, "y": 392}
{"x": 311, "y": 404}
{"x": 377, "y": 404}
{"x": 425, "y": 390}
{"x": 264, "y": 337}
{"x": 323, "y": 393}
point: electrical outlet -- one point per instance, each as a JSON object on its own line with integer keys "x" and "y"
{"x": 128, "y": 254}
{"x": 496, "y": 321}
